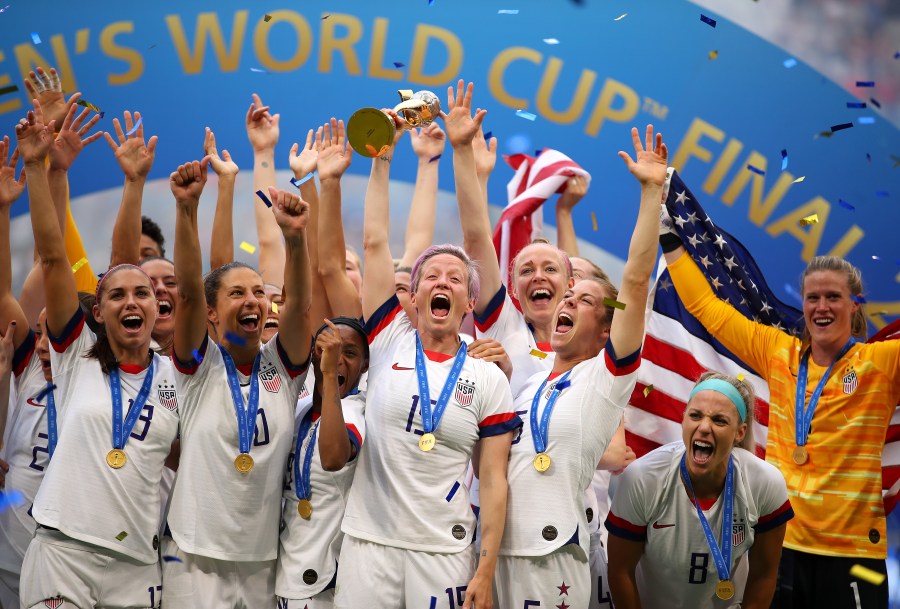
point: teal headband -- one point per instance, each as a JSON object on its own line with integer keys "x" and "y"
{"x": 726, "y": 389}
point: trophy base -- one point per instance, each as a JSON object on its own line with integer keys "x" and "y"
{"x": 371, "y": 132}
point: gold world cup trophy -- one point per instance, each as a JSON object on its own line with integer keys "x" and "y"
{"x": 371, "y": 131}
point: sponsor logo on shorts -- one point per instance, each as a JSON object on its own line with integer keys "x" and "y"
{"x": 270, "y": 379}
{"x": 465, "y": 391}
{"x": 851, "y": 382}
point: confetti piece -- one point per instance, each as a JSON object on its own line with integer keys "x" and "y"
{"x": 563, "y": 385}
{"x": 858, "y": 299}
{"x": 44, "y": 392}
{"x": 79, "y": 264}
{"x": 790, "y": 63}
{"x": 873, "y": 577}
{"x": 856, "y": 104}
{"x": 35, "y": 38}
{"x": 398, "y": 64}
{"x": 197, "y": 357}
{"x": 866, "y": 120}
{"x": 756, "y": 170}
{"x": 798, "y": 180}
{"x": 430, "y": 2}
{"x": 274, "y": 307}
{"x": 267, "y": 18}
{"x": 611, "y": 302}
{"x": 86, "y": 104}
{"x": 620, "y": 17}
{"x": 824, "y": 134}
{"x": 234, "y": 339}
{"x": 537, "y": 153}
{"x": 784, "y": 159}
{"x": 846, "y": 205}
{"x": 172, "y": 559}
{"x": 304, "y": 180}
{"x": 325, "y": 17}
{"x": 488, "y": 135}
{"x": 647, "y": 390}
{"x": 868, "y": 157}
{"x": 528, "y": 116}
{"x": 881, "y": 193}
{"x": 741, "y": 377}
{"x": 713, "y": 55}
{"x": 876, "y": 257}
{"x": 875, "y": 102}
{"x": 594, "y": 220}
{"x": 538, "y": 354}
{"x": 896, "y": 55}
{"x": 707, "y": 20}
{"x": 4, "y": 9}
{"x": 841, "y": 127}
{"x": 434, "y": 158}
{"x": 865, "y": 83}
{"x": 813, "y": 219}
{"x": 264, "y": 198}
{"x": 121, "y": 535}
{"x": 259, "y": 71}
{"x": 136, "y": 125}
{"x": 250, "y": 249}
{"x": 508, "y": 11}
{"x": 11, "y": 499}
{"x": 551, "y": 41}
{"x": 9, "y": 89}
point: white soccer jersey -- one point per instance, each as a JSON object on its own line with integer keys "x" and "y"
{"x": 217, "y": 511}
{"x": 310, "y": 549}
{"x": 545, "y": 511}
{"x": 26, "y": 453}
{"x": 81, "y": 495}
{"x": 651, "y": 505}
{"x": 401, "y": 496}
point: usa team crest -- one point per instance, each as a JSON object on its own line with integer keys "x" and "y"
{"x": 465, "y": 391}
{"x": 167, "y": 396}
{"x": 270, "y": 379}
{"x": 53, "y": 603}
{"x": 851, "y": 382}
{"x": 738, "y": 533}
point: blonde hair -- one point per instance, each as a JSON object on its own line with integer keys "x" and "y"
{"x": 747, "y": 394}
{"x": 858, "y": 326}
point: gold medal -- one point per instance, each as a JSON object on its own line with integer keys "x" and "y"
{"x": 725, "y": 589}
{"x": 801, "y": 455}
{"x": 304, "y": 508}
{"x": 243, "y": 463}
{"x": 542, "y": 462}
{"x": 427, "y": 442}
{"x": 116, "y": 458}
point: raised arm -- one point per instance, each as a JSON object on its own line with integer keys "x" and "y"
{"x": 462, "y": 129}
{"x": 627, "y": 330}
{"x": 187, "y": 184}
{"x": 378, "y": 267}
{"x": 335, "y": 447}
{"x": 35, "y": 139}
{"x": 262, "y": 131}
{"x": 10, "y": 311}
{"x": 136, "y": 159}
{"x": 335, "y": 157}
{"x": 292, "y": 214}
{"x": 485, "y": 159}
{"x": 428, "y": 144}
{"x": 566, "y": 240}
{"x": 221, "y": 246}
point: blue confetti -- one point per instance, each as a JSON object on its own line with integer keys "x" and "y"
{"x": 563, "y": 385}
{"x": 488, "y": 135}
{"x": 528, "y": 116}
{"x": 551, "y": 41}
{"x": 10, "y": 499}
{"x": 430, "y": 2}
{"x": 258, "y": 70}
{"x": 881, "y": 193}
{"x": 865, "y": 83}
{"x": 896, "y": 55}
{"x": 868, "y": 157}
{"x": 398, "y": 64}
{"x": 858, "y": 299}
{"x": 537, "y": 153}
{"x": 305, "y": 179}
{"x": 508, "y": 11}
{"x": 875, "y": 102}
{"x": 756, "y": 170}
{"x": 856, "y": 104}
{"x": 792, "y": 292}
{"x": 4, "y": 9}
{"x": 197, "y": 357}
{"x": 264, "y": 198}
{"x": 841, "y": 127}
{"x": 44, "y": 392}
{"x": 790, "y": 63}
{"x": 846, "y": 205}
{"x": 236, "y": 340}
{"x": 434, "y": 158}
{"x": 135, "y": 128}
{"x": 876, "y": 257}
{"x": 784, "y": 159}
{"x": 172, "y": 559}
{"x": 35, "y": 38}
{"x": 707, "y": 20}
{"x": 866, "y": 120}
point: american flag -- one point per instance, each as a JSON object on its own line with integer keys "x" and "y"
{"x": 535, "y": 181}
{"x": 677, "y": 348}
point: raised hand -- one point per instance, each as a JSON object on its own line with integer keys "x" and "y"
{"x": 34, "y": 137}
{"x": 306, "y": 161}
{"x": 71, "y": 138}
{"x": 188, "y": 180}
{"x": 46, "y": 88}
{"x": 428, "y": 142}
{"x": 222, "y": 165}
{"x": 485, "y": 153}
{"x": 134, "y": 156}
{"x": 576, "y": 188}
{"x": 334, "y": 153}
{"x": 328, "y": 348}
{"x": 262, "y": 127}
{"x": 461, "y": 126}
{"x": 652, "y": 161}
{"x": 291, "y": 212}
{"x": 10, "y": 187}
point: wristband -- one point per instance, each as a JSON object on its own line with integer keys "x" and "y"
{"x": 670, "y": 242}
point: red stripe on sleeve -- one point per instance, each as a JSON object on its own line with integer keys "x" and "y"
{"x": 774, "y": 515}
{"x": 498, "y": 419}
{"x": 351, "y": 428}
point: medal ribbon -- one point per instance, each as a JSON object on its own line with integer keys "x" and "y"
{"x": 722, "y": 556}
{"x": 301, "y": 477}
{"x": 431, "y": 419}
{"x": 539, "y": 433}
{"x": 120, "y": 430}
{"x": 246, "y": 416}
{"x": 52, "y": 434}
{"x": 803, "y": 416}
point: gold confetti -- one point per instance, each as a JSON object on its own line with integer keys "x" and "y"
{"x": 713, "y": 55}
{"x": 620, "y": 17}
{"x": 267, "y": 18}
{"x": 121, "y": 535}
{"x": 250, "y": 249}
{"x": 275, "y": 307}
{"x": 798, "y": 180}
{"x": 86, "y": 104}
{"x": 813, "y": 219}
{"x": 740, "y": 377}
{"x": 538, "y": 354}
{"x": 647, "y": 390}
{"x": 610, "y": 302}
{"x": 594, "y": 220}
{"x": 873, "y": 577}
{"x": 79, "y": 264}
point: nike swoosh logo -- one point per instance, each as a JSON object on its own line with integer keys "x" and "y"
{"x": 656, "y": 525}
{"x": 399, "y": 367}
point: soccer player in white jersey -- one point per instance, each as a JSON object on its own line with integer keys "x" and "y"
{"x": 97, "y": 540}
{"x": 572, "y": 415}
{"x": 331, "y": 429}
{"x": 408, "y": 525}
{"x": 685, "y": 516}
{"x": 238, "y": 407}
